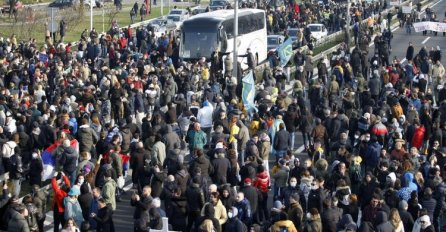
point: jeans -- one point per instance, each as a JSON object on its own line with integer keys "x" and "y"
{"x": 72, "y": 177}
{"x": 292, "y": 139}
{"x": 408, "y": 29}
{"x": 280, "y": 154}
{"x": 307, "y": 138}
{"x": 242, "y": 158}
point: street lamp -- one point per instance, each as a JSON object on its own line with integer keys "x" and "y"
{"x": 234, "y": 71}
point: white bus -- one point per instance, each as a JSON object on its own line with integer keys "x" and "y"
{"x": 202, "y": 34}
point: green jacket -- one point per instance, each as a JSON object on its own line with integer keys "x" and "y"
{"x": 18, "y": 223}
{"x": 196, "y": 139}
{"x": 108, "y": 193}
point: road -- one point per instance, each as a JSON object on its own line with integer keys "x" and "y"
{"x": 401, "y": 39}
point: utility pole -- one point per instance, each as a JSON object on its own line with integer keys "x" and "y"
{"x": 234, "y": 71}
{"x": 162, "y": 8}
{"x": 347, "y": 29}
{"x": 91, "y": 14}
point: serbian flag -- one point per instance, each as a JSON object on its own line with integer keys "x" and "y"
{"x": 49, "y": 159}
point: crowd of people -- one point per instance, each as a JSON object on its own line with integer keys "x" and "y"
{"x": 373, "y": 131}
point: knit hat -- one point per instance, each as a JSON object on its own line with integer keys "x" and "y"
{"x": 247, "y": 181}
{"x": 74, "y": 191}
{"x": 392, "y": 177}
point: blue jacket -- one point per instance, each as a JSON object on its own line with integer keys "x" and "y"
{"x": 372, "y": 154}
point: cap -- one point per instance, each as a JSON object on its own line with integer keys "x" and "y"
{"x": 247, "y": 181}
{"x": 74, "y": 191}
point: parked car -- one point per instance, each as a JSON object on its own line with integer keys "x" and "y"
{"x": 317, "y": 30}
{"x": 274, "y": 41}
{"x": 219, "y": 5}
{"x": 182, "y": 12}
{"x": 6, "y": 8}
{"x": 198, "y": 10}
{"x": 73, "y": 3}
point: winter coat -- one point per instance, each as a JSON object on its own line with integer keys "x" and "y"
{"x": 104, "y": 219}
{"x": 18, "y": 223}
{"x": 87, "y": 138}
{"x": 262, "y": 182}
{"x": 196, "y": 139}
{"x": 233, "y": 225}
{"x": 372, "y": 154}
{"x": 281, "y": 140}
{"x": 283, "y": 223}
{"x": 203, "y": 163}
{"x": 195, "y": 198}
{"x": 330, "y": 217}
{"x": 418, "y": 137}
{"x": 221, "y": 167}
{"x": 69, "y": 160}
{"x": 159, "y": 152}
{"x": 73, "y": 210}
{"x": 171, "y": 138}
{"x": 382, "y": 224}
{"x": 252, "y": 194}
{"x": 295, "y": 214}
{"x": 141, "y": 213}
{"x": 59, "y": 194}
{"x": 108, "y": 193}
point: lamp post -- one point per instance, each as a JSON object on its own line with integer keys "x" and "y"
{"x": 234, "y": 71}
{"x": 347, "y": 29}
{"x": 91, "y": 14}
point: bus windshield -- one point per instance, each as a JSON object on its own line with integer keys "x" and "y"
{"x": 199, "y": 44}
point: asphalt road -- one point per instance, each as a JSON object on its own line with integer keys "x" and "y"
{"x": 401, "y": 39}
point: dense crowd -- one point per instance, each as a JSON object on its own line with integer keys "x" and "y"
{"x": 373, "y": 131}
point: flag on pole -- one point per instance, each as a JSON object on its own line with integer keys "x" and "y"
{"x": 285, "y": 51}
{"x": 49, "y": 159}
{"x": 249, "y": 91}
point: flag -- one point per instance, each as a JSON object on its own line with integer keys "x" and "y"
{"x": 49, "y": 159}
{"x": 285, "y": 51}
{"x": 249, "y": 91}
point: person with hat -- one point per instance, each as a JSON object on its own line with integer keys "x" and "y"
{"x": 234, "y": 224}
{"x": 253, "y": 195}
{"x": 72, "y": 207}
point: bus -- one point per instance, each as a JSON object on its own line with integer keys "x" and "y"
{"x": 203, "y": 34}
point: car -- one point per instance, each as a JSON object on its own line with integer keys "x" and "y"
{"x": 292, "y": 33}
{"x": 317, "y": 30}
{"x": 174, "y": 21}
{"x": 181, "y": 12}
{"x": 274, "y": 41}
{"x": 219, "y": 5}
{"x": 198, "y": 10}
{"x": 6, "y": 8}
{"x": 72, "y": 3}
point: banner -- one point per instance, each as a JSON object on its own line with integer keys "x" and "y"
{"x": 407, "y": 9}
{"x": 285, "y": 51}
{"x": 249, "y": 91}
{"x": 430, "y": 26}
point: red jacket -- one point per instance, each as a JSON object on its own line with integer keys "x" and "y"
{"x": 262, "y": 182}
{"x": 59, "y": 194}
{"x": 418, "y": 137}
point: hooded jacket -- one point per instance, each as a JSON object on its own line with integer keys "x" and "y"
{"x": 87, "y": 138}
{"x": 171, "y": 138}
{"x": 262, "y": 182}
{"x": 409, "y": 187}
{"x": 69, "y": 160}
{"x": 18, "y": 223}
{"x": 108, "y": 192}
{"x": 381, "y": 223}
{"x": 221, "y": 167}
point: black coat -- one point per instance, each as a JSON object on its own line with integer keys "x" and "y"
{"x": 410, "y": 52}
{"x": 221, "y": 167}
{"x": 281, "y": 140}
{"x": 195, "y": 198}
{"x": 252, "y": 194}
{"x": 104, "y": 220}
{"x": 407, "y": 220}
{"x": 330, "y": 217}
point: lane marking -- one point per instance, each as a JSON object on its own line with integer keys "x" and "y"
{"x": 425, "y": 40}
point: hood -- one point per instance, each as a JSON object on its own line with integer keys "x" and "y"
{"x": 209, "y": 210}
{"x": 381, "y": 217}
{"x": 262, "y": 175}
{"x": 201, "y": 159}
{"x": 69, "y": 150}
{"x": 345, "y": 220}
{"x": 307, "y": 180}
{"x": 182, "y": 173}
{"x": 408, "y": 178}
{"x": 18, "y": 217}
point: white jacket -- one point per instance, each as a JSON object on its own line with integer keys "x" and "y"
{"x": 204, "y": 115}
